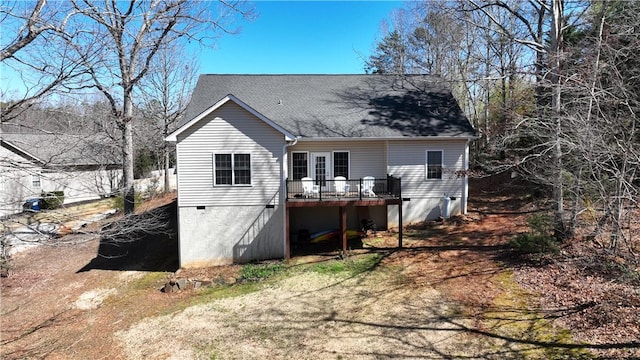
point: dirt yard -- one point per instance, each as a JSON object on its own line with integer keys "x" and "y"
{"x": 454, "y": 291}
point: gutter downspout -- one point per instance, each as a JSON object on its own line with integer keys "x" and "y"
{"x": 283, "y": 189}
{"x": 465, "y": 179}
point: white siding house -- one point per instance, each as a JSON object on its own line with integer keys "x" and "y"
{"x": 32, "y": 164}
{"x": 248, "y": 142}
{"x": 210, "y": 207}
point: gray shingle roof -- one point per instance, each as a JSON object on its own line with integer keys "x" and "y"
{"x": 66, "y": 150}
{"x": 369, "y": 106}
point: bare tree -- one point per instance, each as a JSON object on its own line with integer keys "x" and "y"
{"x": 536, "y": 19}
{"x": 128, "y": 37}
{"x": 558, "y": 83}
{"x": 603, "y": 104}
{"x": 166, "y": 92}
{"x": 35, "y": 56}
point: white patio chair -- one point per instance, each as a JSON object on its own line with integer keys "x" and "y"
{"x": 368, "y": 182}
{"x": 309, "y": 188}
{"x": 341, "y": 186}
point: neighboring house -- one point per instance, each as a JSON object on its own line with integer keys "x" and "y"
{"x": 248, "y": 141}
{"x": 83, "y": 167}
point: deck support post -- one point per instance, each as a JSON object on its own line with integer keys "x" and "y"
{"x": 400, "y": 225}
{"x": 287, "y": 234}
{"x": 343, "y": 228}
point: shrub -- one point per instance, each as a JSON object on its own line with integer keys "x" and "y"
{"x": 52, "y": 199}
{"x": 529, "y": 243}
{"x": 539, "y": 238}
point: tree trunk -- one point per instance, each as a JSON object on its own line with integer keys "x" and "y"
{"x": 539, "y": 63}
{"x": 487, "y": 99}
{"x": 165, "y": 150}
{"x": 128, "y": 190}
{"x": 555, "y": 53}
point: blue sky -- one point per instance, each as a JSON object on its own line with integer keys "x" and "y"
{"x": 287, "y": 37}
{"x": 301, "y": 37}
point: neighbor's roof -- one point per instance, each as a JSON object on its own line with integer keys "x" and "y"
{"x": 328, "y": 106}
{"x": 64, "y": 150}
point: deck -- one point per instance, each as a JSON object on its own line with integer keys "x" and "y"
{"x": 359, "y": 192}
{"x": 342, "y": 193}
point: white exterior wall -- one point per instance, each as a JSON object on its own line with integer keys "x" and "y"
{"x": 229, "y": 129}
{"x": 82, "y": 185}
{"x": 220, "y": 235}
{"x": 15, "y": 181}
{"x": 221, "y": 224}
{"x": 407, "y": 160}
{"x": 366, "y": 158}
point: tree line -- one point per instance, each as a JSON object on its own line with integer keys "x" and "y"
{"x": 552, "y": 87}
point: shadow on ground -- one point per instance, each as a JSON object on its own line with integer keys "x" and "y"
{"x": 141, "y": 242}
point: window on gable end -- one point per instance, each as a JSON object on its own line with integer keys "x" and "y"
{"x": 242, "y": 169}
{"x": 232, "y": 169}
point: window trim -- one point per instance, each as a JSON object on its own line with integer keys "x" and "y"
{"x": 233, "y": 169}
{"x": 307, "y": 160}
{"x": 333, "y": 159}
{"x": 426, "y": 164}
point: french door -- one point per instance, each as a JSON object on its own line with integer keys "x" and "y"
{"x": 321, "y": 168}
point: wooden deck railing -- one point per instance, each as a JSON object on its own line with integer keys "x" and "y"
{"x": 362, "y": 189}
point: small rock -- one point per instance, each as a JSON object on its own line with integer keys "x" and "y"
{"x": 182, "y": 283}
{"x": 167, "y": 288}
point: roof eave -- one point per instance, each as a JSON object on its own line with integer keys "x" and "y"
{"x": 436, "y": 137}
{"x": 25, "y": 154}
{"x": 173, "y": 137}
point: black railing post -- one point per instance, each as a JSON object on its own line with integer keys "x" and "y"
{"x": 360, "y": 189}
{"x": 286, "y": 188}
